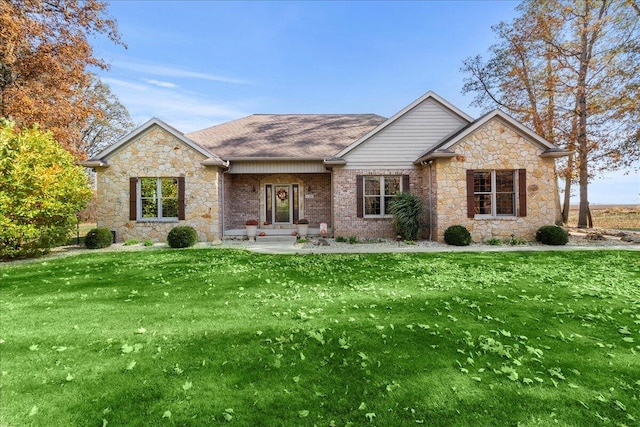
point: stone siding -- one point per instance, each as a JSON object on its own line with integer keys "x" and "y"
{"x": 157, "y": 153}
{"x": 346, "y": 222}
{"x": 495, "y": 146}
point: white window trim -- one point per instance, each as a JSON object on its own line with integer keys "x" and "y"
{"x": 139, "y": 197}
{"x": 382, "y": 195}
{"x": 494, "y": 205}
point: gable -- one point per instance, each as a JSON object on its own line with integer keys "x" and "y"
{"x": 449, "y": 146}
{"x": 150, "y": 133}
{"x": 405, "y": 136}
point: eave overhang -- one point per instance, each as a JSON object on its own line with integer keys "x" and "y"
{"x": 94, "y": 163}
{"x": 335, "y": 161}
{"x": 556, "y": 152}
{"x": 434, "y": 155}
{"x": 215, "y": 161}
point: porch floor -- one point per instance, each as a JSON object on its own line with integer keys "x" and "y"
{"x": 237, "y": 232}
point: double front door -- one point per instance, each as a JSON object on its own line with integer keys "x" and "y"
{"x": 282, "y": 203}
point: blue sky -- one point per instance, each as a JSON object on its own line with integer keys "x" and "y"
{"x": 195, "y": 64}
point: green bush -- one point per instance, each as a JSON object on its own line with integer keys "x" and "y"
{"x": 494, "y": 241}
{"x": 457, "y": 235}
{"x": 148, "y": 242}
{"x": 41, "y": 191}
{"x": 131, "y": 242}
{"x": 182, "y": 236}
{"x": 341, "y": 239}
{"x": 552, "y": 235}
{"x": 98, "y": 238}
{"x": 406, "y": 209}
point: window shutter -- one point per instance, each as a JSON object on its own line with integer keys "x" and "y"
{"x": 181, "y": 201}
{"x": 359, "y": 196}
{"x": 522, "y": 192}
{"x": 405, "y": 183}
{"x": 133, "y": 199}
{"x": 471, "y": 211}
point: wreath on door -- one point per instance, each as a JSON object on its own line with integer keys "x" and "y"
{"x": 282, "y": 194}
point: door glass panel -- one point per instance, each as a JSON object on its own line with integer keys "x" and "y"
{"x": 282, "y": 203}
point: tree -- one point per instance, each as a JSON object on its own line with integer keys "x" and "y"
{"x": 41, "y": 191}
{"x": 108, "y": 123}
{"x": 571, "y": 69}
{"x": 44, "y": 57}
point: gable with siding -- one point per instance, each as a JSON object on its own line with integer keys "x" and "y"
{"x": 407, "y": 136}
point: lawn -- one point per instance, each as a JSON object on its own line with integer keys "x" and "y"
{"x": 205, "y": 337}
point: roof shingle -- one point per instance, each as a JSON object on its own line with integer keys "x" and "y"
{"x": 285, "y": 135}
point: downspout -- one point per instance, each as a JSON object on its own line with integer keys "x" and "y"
{"x": 430, "y": 200}
{"x": 222, "y": 207}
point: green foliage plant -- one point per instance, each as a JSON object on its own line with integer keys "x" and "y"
{"x": 352, "y": 240}
{"x": 406, "y": 209}
{"x": 131, "y": 242}
{"x": 494, "y": 241}
{"x": 41, "y": 192}
{"x": 148, "y": 242}
{"x": 182, "y": 236}
{"x": 98, "y": 238}
{"x": 552, "y": 235}
{"x": 341, "y": 239}
{"x": 457, "y": 235}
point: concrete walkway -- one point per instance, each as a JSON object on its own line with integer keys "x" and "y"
{"x": 290, "y": 247}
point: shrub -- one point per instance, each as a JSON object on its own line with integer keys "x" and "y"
{"x": 457, "y": 235}
{"x": 131, "y": 242}
{"x": 406, "y": 209}
{"x": 182, "y": 236}
{"x": 494, "y": 241}
{"x": 148, "y": 242}
{"x": 41, "y": 191}
{"x": 552, "y": 235}
{"x": 352, "y": 240}
{"x": 98, "y": 238}
{"x": 341, "y": 239}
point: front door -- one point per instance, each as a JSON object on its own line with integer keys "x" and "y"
{"x": 281, "y": 203}
{"x": 282, "y": 207}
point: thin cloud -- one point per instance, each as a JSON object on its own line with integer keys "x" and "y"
{"x": 161, "y": 70}
{"x": 161, "y": 84}
{"x": 185, "y": 111}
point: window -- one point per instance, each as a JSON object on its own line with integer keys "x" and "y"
{"x": 378, "y": 193}
{"x": 158, "y": 198}
{"x": 494, "y": 193}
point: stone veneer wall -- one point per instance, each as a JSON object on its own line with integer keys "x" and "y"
{"x": 157, "y": 153}
{"x": 243, "y": 203}
{"x": 346, "y": 222}
{"x": 495, "y": 146}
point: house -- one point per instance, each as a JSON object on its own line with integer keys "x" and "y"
{"x": 492, "y": 175}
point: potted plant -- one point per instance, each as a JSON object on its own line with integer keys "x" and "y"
{"x": 252, "y": 228}
{"x": 303, "y": 228}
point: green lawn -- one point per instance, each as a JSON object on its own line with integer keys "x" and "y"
{"x": 205, "y": 337}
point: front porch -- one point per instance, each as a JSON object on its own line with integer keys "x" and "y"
{"x": 236, "y": 233}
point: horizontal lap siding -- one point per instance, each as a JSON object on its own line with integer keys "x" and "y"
{"x": 400, "y": 144}
{"x": 277, "y": 167}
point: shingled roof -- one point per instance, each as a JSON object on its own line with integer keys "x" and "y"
{"x": 285, "y": 135}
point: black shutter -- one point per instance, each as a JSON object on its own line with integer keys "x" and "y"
{"x": 181, "y": 201}
{"x": 471, "y": 210}
{"x": 359, "y": 196}
{"x": 522, "y": 192}
{"x": 405, "y": 183}
{"x": 133, "y": 199}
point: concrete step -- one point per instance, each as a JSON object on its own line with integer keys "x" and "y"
{"x": 276, "y": 238}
